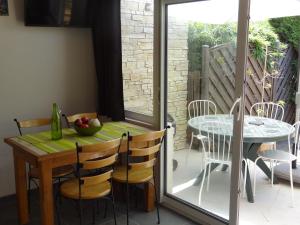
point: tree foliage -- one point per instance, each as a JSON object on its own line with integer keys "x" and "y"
{"x": 261, "y": 34}
{"x": 288, "y": 29}
{"x": 207, "y": 34}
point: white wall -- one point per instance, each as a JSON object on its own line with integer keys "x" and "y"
{"x": 39, "y": 66}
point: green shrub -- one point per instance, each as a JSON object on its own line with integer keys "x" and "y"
{"x": 207, "y": 34}
{"x": 288, "y": 29}
{"x": 261, "y": 34}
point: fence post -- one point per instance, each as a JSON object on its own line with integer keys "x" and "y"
{"x": 297, "y": 102}
{"x": 205, "y": 73}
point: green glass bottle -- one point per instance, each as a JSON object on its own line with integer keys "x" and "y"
{"x": 56, "y": 131}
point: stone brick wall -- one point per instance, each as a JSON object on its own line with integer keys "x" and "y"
{"x": 177, "y": 77}
{"x": 137, "y": 47}
{"x": 137, "y": 52}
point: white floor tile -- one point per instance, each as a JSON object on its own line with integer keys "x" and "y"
{"x": 272, "y": 204}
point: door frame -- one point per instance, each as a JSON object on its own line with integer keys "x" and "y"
{"x": 184, "y": 208}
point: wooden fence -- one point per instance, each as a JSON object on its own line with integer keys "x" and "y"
{"x": 286, "y": 86}
{"x": 217, "y": 80}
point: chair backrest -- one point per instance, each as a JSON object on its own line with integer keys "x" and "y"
{"x": 201, "y": 108}
{"x": 32, "y": 123}
{"x": 234, "y": 105}
{"x": 93, "y": 115}
{"x": 95, "y": 162}
{"x": 218, "y": 147}
{"x": 145, "y": 147}
{"x": 267, "y": 109}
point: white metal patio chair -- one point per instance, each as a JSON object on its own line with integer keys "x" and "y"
{"x": 281, "y": 156}
{"x": 216, "y": 150}
{"x": 200, "y": 108}
{"x": 269, "y": 110}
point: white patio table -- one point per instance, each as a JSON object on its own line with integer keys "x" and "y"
{"x": 257, "y": 130}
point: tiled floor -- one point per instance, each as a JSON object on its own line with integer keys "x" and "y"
{"x": 8, "y": 214}
{"x": 272, "y": 204}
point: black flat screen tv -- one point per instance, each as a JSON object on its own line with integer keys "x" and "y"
{"x": 58, "y": 13}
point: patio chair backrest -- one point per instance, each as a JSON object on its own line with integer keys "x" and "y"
{"x": 267, "y": 109}
{"x": 201, "y": 108}
{"x": 219, "y": 135}
{"x": 234, "y": 105}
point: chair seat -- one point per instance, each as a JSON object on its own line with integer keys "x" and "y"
{"x": 56, "y": 173}
{"x": 278, "y": 155}
{"x": 134, "y": 176}
{"x": 70, "y": 189}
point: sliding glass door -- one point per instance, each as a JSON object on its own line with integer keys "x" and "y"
{"x": 204, "y": 67}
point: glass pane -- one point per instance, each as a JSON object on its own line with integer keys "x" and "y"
{"x": 137, "y": 55}
{"x": 201, "y": 50}
{"x": 272, "y": 48}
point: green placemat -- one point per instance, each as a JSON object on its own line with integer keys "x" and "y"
{"x": 45, "y": 136}
{"x": 109, "y": 131}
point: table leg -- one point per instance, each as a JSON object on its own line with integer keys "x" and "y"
{"x": 248, "y": 184}
{"x": 199, "y": 178}
{"x": 224, "y": 168}
{"x": 46, "y": 193}
{"x": 21, "y": 188}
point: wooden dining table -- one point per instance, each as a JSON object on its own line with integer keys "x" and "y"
{"x": 40, "y": 151}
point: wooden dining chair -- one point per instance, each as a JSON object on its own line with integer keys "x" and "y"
{"x": 95, "y": 164}
{"x": 141, "y": 156}
{"x": 93, "y": 115}
{"x": 33, "y": 173}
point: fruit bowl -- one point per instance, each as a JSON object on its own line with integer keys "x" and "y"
{"x": 87, "y": 127}
{"x": 87, "y": 131}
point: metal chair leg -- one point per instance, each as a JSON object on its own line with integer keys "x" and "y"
{"x": 80, "y": 211}
{"x": 105, "y": 209}
{"x": 59, "y": 183}
{"x": 57, "y": 204}
{"x": 292, "y": 183}
{"x": 189, "y": 150}
{"x": 254, "y": 176}
{"x": 136, "y": 196}
{"x": 272, "y": 172}
{"x": 202, "y": 153}
{"x": 94, "y": 211}
{"x": 127, "y": 203}
{"x": 156, "y": 198}
{"x": 113, "y": 205}
{"x": 208, "y": 177}
{"x": 98, "y": 207}
{"x": 202, "y": 184}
